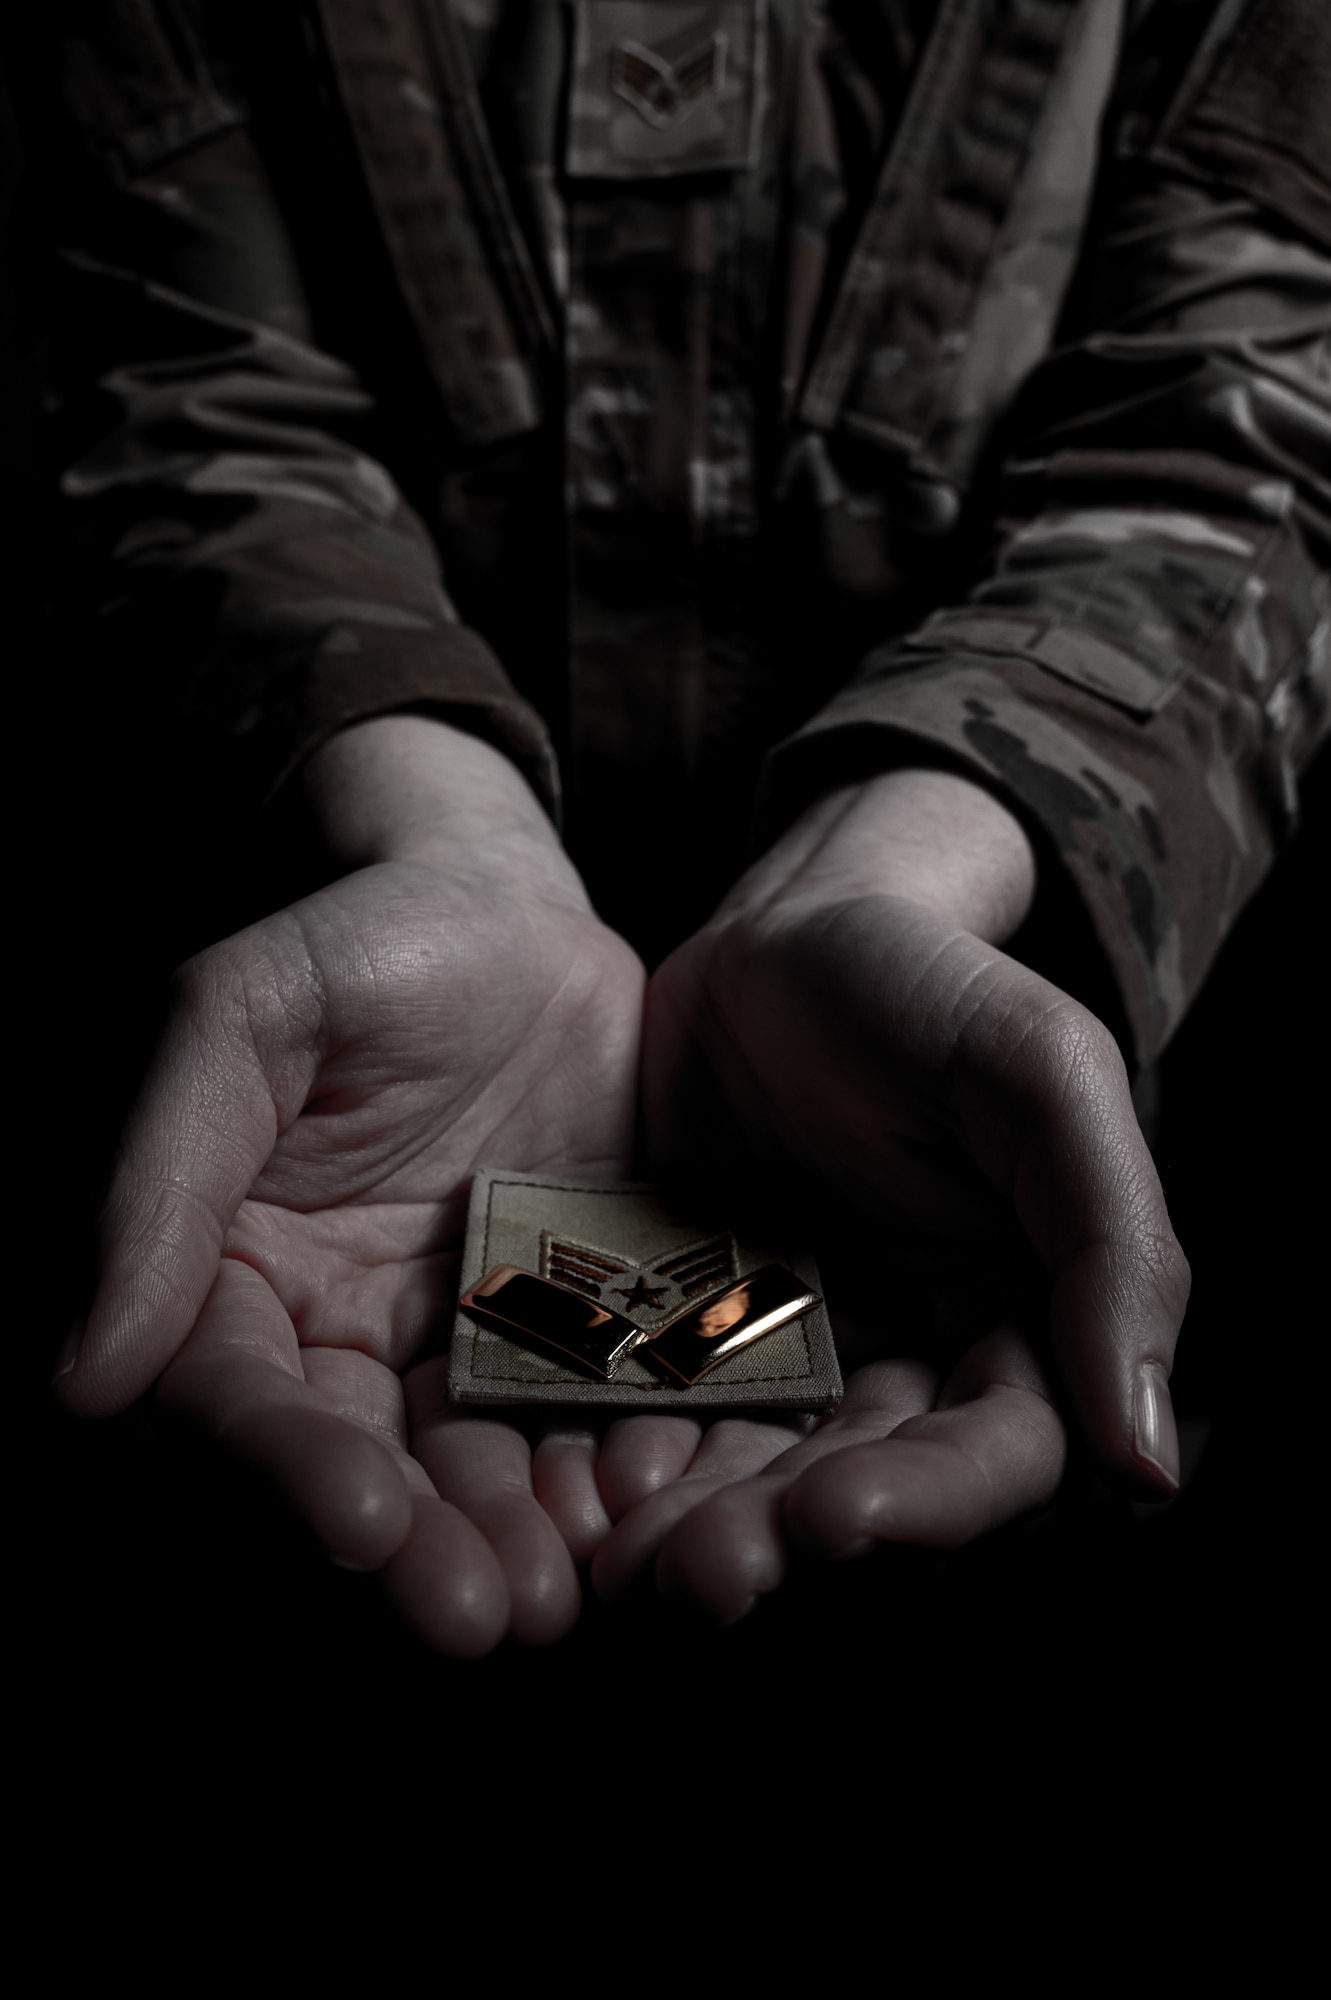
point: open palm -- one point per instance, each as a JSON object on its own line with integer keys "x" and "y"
{"x": 281, "y": 1236}
{"x": 848, "y": 1020}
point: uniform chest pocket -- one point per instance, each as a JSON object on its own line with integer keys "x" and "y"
{"x": 663, "y": 88}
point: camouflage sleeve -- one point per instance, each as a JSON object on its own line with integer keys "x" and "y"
{"x": 251, "y": 577}
{"x": 1144, "y": 667}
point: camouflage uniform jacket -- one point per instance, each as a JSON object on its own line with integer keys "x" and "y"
{"x": 937, "y": 381}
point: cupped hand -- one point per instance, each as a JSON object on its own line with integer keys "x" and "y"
{"x": 848, "y": 1018}
{"x": 280, "y": 1238}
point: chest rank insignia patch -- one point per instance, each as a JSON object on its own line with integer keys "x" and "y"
{"x": 576, "y": 1291}
{"x": 663, "y": 92}
{"x": 662, "y": 87}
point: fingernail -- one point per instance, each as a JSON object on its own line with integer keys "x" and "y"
{"x": 1155, "y": 1434}
{"x": 69, "y": 1348}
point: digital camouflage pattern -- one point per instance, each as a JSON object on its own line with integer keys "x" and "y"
{"x": 925, "y": 380}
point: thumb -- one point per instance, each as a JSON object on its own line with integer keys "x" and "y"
{"x": 1088, "y": 1197}
{"x": 232, "y": 1053}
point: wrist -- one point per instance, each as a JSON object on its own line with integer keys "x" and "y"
{"x": 411, "y": 788}
{"x": 933, "y": 838}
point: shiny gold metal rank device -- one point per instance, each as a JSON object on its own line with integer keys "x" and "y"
{"x": 704, "y": 1335}
{"x": 624, "y": 1294}
{"x": 537, "y": 1311}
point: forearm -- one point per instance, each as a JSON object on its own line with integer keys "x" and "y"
{"x": 929, "y": 836}
{"x": 410, "y": 788}
{"x": 1144, "y": 671}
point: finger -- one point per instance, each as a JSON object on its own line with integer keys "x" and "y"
{"x": 239, "y": 1378}
{"x": 439, "y": 1571}
{"x": 353, "y": 1384}
{"x": 993, "y": 1450}
{"x": 339, "y": 1480}
{"x": 629, "y": 1549}
{"x": 482, "y": 1465}
{"x": 733, "y": 1448}
{"x": 730, "y": 1550}
{"x": 563, "y": 1477}
{"x": 640, "y": 1454}
{"x": 723, "y": 1556}
{"x": 205, "y": 1121}
{"x": 447, "y": 1583}
{"x": 1088, "y": 1196}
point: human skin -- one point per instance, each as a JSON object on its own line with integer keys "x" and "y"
{"x": 279, "y": 1241}
{"x": 848, "y": 1017}
{"x": 277, "y": 1246}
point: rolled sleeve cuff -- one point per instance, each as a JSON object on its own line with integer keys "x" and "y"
{"x": 456, "y": 678}
{"x": 1138, "y": 781}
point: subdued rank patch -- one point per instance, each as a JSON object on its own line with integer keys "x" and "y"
{"x": 663, "y": 87}
{"x": 663, "y": 92}
{"x": 632, "y": 1257}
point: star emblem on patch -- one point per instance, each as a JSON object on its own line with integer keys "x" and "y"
{"x": 650, "y": 1292}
